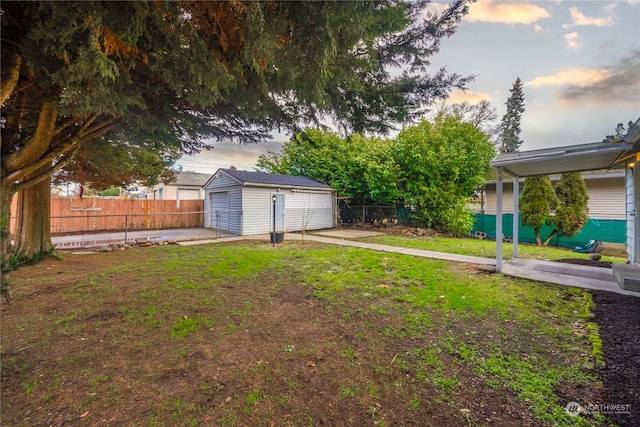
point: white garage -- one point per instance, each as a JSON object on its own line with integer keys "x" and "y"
{"x": 245, "y": 203}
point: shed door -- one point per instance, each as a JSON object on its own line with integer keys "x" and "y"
{"x": 278, "y": 211}
{"x": 220, "y": 210}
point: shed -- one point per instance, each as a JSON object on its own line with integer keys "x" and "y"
{"x": 186, "y": 186}
{"x": 242, "y": 203}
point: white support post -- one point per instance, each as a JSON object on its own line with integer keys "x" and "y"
{"x": 516, "y": 209}
{"x": 499, "y": 220}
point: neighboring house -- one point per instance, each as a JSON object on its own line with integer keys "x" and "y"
{"x": 247, "y": 203}
{"x": 610, "y": 155}
{"x": 187, "y": 186}
{"x": 606, "y": 189}
{"x": 607, "y": 210}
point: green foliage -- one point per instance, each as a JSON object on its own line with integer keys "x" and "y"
{"x": 572, "y": 210}
{"x": 357, "y": 167}
{"x": 569, "y": 201}
{"x": 441, "y": 164}
{"x": 145, "y": 82}
{"x": 536, "y": 202}
{"x": 110, "y": 192}
{"x": 510, "y": 124}
{"x": 432, "y": 168}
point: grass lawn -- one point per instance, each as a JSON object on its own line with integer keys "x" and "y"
{"x": 487, "y": 248}
{"x": 303, "y": 334}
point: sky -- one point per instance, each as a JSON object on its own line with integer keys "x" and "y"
{"x": 579, "y": 62}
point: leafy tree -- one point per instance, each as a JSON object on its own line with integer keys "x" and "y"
{"x": 176, "y": 73}
{"x": 510, "y": 124}
{"x": 537, "y": 200}
{"x": 357, "y": 167}
{"x": 483, "y": 115}
{"x": 441, "y": 164}
{"x": 110, "y": 192}
{"x": 619, "y": 132}
{"x": 572, "y": 209}
{"x": 432, "y": 168}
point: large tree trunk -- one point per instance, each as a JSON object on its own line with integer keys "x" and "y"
{"x": 33, "y": 223}
{"x": 6, "y": 194}
{"x": 538, "y": 238}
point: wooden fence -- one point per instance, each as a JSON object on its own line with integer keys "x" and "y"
{"x": 72, "y": 215}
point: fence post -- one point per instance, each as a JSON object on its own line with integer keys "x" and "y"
{"x": 218, "y": 224}
{"x": 126, "y": 227}
{"x": 364, "y": 215}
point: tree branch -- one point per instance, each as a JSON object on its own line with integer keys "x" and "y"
{"x": 39, "y": 142}
{"x": 38, "y": 179}
{"x": 62, "y": 150}
{"x": 10, "y": 75}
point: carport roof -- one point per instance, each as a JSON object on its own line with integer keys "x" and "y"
{"x": 572, "y": 158}
{"x": 576, "y": 158}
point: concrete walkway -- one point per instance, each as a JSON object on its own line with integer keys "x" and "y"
{"x": 563, "y": 274}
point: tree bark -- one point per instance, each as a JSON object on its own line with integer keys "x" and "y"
{"x": 33, "y": 223}
{"x": 538, "y": 239}
{"x": 553, "y": 233}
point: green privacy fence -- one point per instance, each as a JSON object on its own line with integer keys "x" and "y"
{"x": 607, "y": 230}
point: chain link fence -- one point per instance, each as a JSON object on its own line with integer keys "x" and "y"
{"x": 373, "y": 215}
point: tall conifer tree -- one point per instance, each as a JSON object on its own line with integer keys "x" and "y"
{"x": 510, "y": 124}
{"x": 174, "y": 75}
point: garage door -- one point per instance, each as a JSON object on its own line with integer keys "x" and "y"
{"x": 220, "y": 210}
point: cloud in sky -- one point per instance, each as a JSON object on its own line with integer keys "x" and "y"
{"x": 573, "y": 41}
{"x": 621, "y": 85}
{"x": 576, "y": 76}
{"x": 579, "y": 19}
{"x": 470, "y": 96}
{"x": 618, "y": 83}
{"x": 506, "y": 13}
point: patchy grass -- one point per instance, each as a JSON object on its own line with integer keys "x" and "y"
{"x": 242, "y": 333}
{"x": 484, "y": 248}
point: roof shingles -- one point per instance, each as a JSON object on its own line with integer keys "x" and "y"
{"x": 261, "y": 178}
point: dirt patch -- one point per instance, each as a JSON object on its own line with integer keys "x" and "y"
{"x": 91, "y": 341}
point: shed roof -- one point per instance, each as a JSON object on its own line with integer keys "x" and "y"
{"x": 272, "y": 180}
{"x": 191, "y": 178}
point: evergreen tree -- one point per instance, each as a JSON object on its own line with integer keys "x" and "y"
{"x": 536, "y": 202}
{"x": 179, "y": 73}
{"x": 572, "y": 209}
{"x": 510, "y": 124}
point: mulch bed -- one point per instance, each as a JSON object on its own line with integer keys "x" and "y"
{"x": 618, "y": 317}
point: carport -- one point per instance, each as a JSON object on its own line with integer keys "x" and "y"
{"x": 576, "y": 158}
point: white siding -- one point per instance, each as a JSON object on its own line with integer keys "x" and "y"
{"x": 309, "y": 210}
{"x": 507, "y": 198}
{"x": 606, "y": 197}
{"x": 257, "y": 205}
